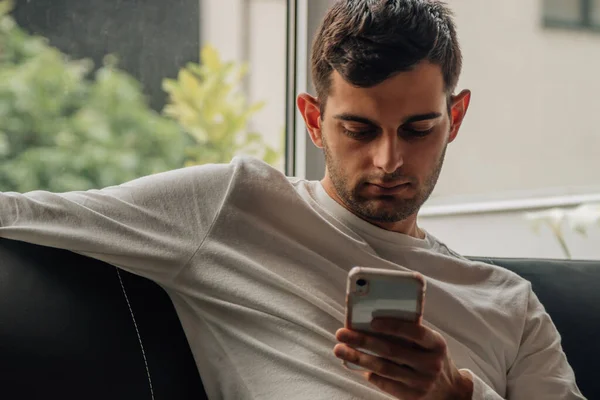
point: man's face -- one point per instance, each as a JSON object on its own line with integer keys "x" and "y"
{"x": 384, "y": 146}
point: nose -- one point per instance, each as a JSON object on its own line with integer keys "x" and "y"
{"x": 388, "y": 151}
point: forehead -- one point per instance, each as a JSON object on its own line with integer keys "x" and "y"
{"x": 418, "y": 91}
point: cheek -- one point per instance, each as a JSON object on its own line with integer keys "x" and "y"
{"x": 359, "y": 157}
{"x": 351, "y": 159}
{"x": 344, "y": 150}
{"x": 423, "y": 157}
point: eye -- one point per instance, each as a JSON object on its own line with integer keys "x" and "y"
{"x": 363, "y": 134}
{"x": 416, "y": 133}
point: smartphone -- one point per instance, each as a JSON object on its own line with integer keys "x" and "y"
{"x": 373, "y": 293}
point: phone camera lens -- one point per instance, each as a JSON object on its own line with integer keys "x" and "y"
{"x": 361, "y": 282}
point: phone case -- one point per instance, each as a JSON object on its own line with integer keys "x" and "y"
{"x": 373, "y": 293}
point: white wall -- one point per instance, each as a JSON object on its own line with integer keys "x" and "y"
{"x": 507, "y": 234}
{"x": 253, "y": 31}
{"x": 532, "y": 129}
{"x": 267, "y": 57}
{"x": 222, "y": 25}
{"x": 532, "y": 126}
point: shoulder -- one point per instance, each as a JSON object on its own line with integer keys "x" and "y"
{"x": 239, "y": 170}
{"x": 253, "y": 175}
{"x": 253, "y": 171}
{"x": 247, "y": 181}
{"x": 490, "y": 276}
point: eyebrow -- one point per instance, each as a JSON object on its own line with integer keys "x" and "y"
{"x": 363, "y": 120}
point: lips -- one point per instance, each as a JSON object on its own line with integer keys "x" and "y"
{"x": 389, "y": 185}
{"x": 387, "y": 189}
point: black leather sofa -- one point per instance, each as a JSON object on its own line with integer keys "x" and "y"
{"x": 75, "y": 328}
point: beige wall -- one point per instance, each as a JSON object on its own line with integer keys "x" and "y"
{"x": 222, "y": 25}
{"x": 532, "y": 130}
{"x": 267, "y": 55}
{"x": 253, "y": 31}
{"x": 508, "y": 234}
{"x": 532, "y": 126}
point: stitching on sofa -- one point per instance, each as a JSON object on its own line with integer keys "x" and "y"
{"x": 137, "y": 332}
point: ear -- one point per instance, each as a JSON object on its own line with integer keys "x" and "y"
{"x": 458, "y": 110}
{"x": 309, "y": 107}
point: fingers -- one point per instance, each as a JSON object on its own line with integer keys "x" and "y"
{"x": 416, "y": 333}
{"x": 397, "y": 351}
{"x": 405, "y": 359}
{"x": 398, "y": 389}
{"x": 382, "y": 367}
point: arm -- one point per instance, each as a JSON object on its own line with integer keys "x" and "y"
{"x": 481, "y": 391}
{"x": 541, "y": 369}
{"x": 150, "y": 226}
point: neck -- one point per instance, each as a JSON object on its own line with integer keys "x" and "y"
{"x": 407, "y": 226}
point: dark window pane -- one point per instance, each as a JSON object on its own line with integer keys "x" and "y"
{"x": 567, "y": 11}
{"x": 595, "y": 13}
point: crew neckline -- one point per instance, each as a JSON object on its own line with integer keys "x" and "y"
{"x": 373, "y": 231}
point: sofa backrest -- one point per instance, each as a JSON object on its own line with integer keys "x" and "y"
{"x": 76, "y": 328}
{"x": 72, "y": 327}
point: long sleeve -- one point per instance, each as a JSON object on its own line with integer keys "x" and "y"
{"x": 541, "y": 369}
{"x": 481, "y": 391}
{"x": 150, "y": 226}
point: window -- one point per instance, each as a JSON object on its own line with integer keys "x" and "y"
{"x": 595, "y": 13}
{"x": 89, "y": 90}
{"x": 578, "y": 14}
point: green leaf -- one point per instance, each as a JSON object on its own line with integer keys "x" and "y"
{"x": 210, "y": 57}
{"x": 60, "y": 130}
{"x": 6, "y": 6}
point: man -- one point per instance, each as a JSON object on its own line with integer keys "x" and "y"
{"x": 256, "y": 263}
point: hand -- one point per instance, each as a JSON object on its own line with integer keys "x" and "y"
{"x": 413, "y": 361}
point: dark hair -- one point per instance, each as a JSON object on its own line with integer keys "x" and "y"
{"x": 369, "y": 41}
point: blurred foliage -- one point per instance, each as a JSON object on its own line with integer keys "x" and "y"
{"x": 65, "y": 128}
{"x": 208, "y": 104}
{"x": 61, "y": 131}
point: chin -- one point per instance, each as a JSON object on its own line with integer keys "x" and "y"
{"x": 387, "y": 204}
{"x": 398, "y": 199}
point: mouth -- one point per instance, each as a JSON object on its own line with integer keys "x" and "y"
{"x": 387, "y": 189}
{"x": 390, "y": 185}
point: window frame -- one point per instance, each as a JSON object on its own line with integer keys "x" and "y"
{"x": 585, "y": 21}
{"x": 290, "y": 88}
{"x": 304, "y": 160}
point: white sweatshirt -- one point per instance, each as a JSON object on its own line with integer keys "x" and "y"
{"x": 256, "y": 265}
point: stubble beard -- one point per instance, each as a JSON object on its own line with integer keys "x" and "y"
{"x": 371, "y": 209}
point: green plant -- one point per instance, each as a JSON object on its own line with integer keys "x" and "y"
{"x": 207, "y": 102}
{"x": 61, "y": 131}
{"x": 65, "y": 128}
